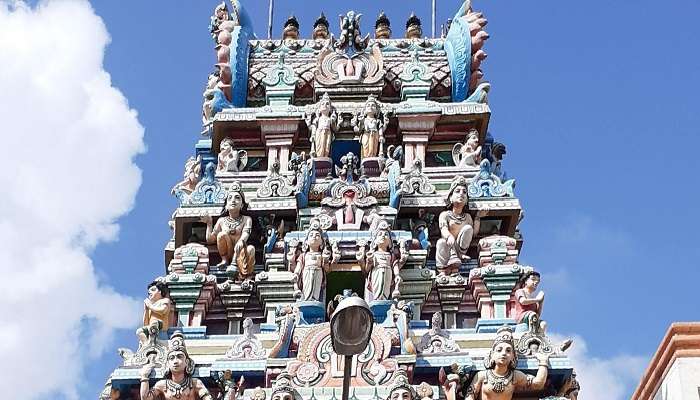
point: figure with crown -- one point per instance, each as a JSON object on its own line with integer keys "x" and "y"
{"x": 311, "y": 263}
{"x": 501, "y": 380}
{"x": 456, "y": 229}
{"x": 178, "y": 382}
{"x": 382, "y": 263}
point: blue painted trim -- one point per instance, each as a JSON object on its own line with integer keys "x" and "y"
{"x": 458, "y": 47}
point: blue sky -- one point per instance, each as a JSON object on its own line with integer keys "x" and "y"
{"x": 595, "y": 101}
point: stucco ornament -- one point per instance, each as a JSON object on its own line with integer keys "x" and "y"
{"x": 311, "y": 260}
{"x": 191, "y": 176}
{"x": 437, "y": 340}
{"x": 156, "y": 314}
{"x": 469, "y": 153}
{"x": 400, "y": 388}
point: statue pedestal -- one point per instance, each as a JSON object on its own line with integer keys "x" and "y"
{"x": 379, "y": 309}
{"x": 323, "y": 167}
{"x": 311, "y": 312}
{"x": 372, "y": 166}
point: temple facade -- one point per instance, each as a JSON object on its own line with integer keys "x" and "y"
{"x": 345, "y": 164}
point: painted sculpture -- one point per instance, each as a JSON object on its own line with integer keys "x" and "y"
{"x": 231, "y": 233}
{"x": 371, "y": 124}
{"x": 529, "y": 302}
{"x": 230, "y": 159}
{"x": 501, "y": 380}
{"x": 320, "y": 28}
{"x": 311, "y": 263}
{"x": 382, "y": 27}
{"x": 191, "y": 176}
{"x": 322, "y": 123}
{"x": 156, "y": 314}
{"x": 382, "y": 263}
{"x": 469, "y": 153}
{"x": 437, "y": 340}
{"x": 456, "y": 229}
{"x": 178, "y": 382}
{"x": 401, "y": 389}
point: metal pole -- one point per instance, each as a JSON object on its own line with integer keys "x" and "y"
{"x": 346, "y": 377}
{"x": 434, "y": 1}
{"x": 269, "y": 19}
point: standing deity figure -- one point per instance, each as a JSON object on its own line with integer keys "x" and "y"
{"x": 529, "y": 302}
{"x": 501, "y": 380}
{"x": 382, "y": 263}
{"x": 371, "y": 124}
{"x": 231, "y": 233}
{"x": 456, "y": 229}
{"x": 322, "y": 123}
{"x": 469, "y": 153}
{"x": 230, "y": 159}
{"x": 192, "y": 175}
{"x": 178, "y": 383}
{"x": 311, "y": 263}
{"x": 156, "y": 314}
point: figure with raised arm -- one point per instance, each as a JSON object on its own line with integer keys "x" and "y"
{"x": 456, "y": 229}
{"x": 156, "y": 313}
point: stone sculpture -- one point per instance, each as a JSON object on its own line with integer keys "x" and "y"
{"x": 322, "y": 123}
{"x": 469, "y": 153}
{"x": 311, "y": 263}
{"x": 156, "y": 314}
{"x": 191, "y": 176}
{"x": 178, "y": 383}
{"x": 230, "y": 159}
{"x": 247, "y": 347}
{"x": 371, "y": 124}
{"x": 456, "y": 229}
{"x": 501, "y": 380}
{"x": 231, "y": 233}
{"x": 382, "y": 263}
{"x": 498, "y": 150}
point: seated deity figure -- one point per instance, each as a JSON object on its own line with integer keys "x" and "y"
{"x": 370, "y": 124}
{"x": 469, "y": 153}
{"x": 456, "y": 229}
{"x": 529, "y": 302}
{"x": 178, "y": 383}
{"x": 231, "y": 233}
{"x": 156, "y": 313}
{"x": 312, "y": 262}
{"x": 501, "y": 380}
{"x": 230, "y": 159}
{"x": 382, "y": 263}
{"x": 322, "y": 123}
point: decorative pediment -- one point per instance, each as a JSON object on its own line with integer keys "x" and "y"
{"x": 486, "y": 184}
{"x": 247, "y": 347}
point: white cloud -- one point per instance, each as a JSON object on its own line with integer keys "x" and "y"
{"x": 613, "y": 378}
{"x": 69, "y": 139}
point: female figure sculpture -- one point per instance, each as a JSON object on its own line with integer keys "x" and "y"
{"x": 178, "y": 383}
{"x": 501, "y": 380}
{"x": 322, "y": 123}
{"x": 312, "y": 262}
{"x": 382, "y": 264}
{"x": 231, "y": 233}
{"x": 370, "y": 124}
{"x": 456, "y": 228}
{"x": 469, "y": 153}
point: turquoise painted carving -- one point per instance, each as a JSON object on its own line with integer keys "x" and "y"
{"x": 486, "y": 184}
{"x": 459, "y": 50}
{"x": 208, "y": 190}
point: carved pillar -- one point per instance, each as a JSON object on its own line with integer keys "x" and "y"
{"x": 235, "y": 297}
{"x": 450, "y": 291}
{"x": 185, "y": 290}
{"x": 279, "y": 135}
{"x": 416, "y": 130}
{"x": 499, "y": 280}
{"x": 275, "y": 289}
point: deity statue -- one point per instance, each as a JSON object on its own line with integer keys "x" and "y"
{"x": 311, "y": 263}
{"x": 178, "y": 383}
{"x": 231, "y": 233}
{"x": 529, "y": 302}
{"x": 282, "y": 389}
{"x": 230, "y": 159}
{"x": 156, "y": 313}
{"x": 401, "y": 389}
{"x": 192, "y": 175}
{"x": 501, "y": 380}
{"x": 320, "y": 28}
{"x": 382, "y": 263}
{"x": 456, "y": 229}
{"x": 469, "y": 153}
{"x": 322, "y": 123}
{"x": 371, "y": 124}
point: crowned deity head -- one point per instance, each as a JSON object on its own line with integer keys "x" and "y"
{"x": 177, "y": 358}
{"x": 235, "y": 199}
{"x": 314, "y": 240}
{"x": 382, "y": 236}
{"x": 371, "y": 106}
{"x": 458, "y": 192}
{"x": 400, "y": 388}
{"x": 324, "y": 105}
{"x": 503, "y": 350}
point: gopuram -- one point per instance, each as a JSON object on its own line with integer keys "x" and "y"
{"x": 345, "y": 164}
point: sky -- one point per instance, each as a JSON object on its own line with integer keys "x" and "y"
{"x": 100, "y": 106}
